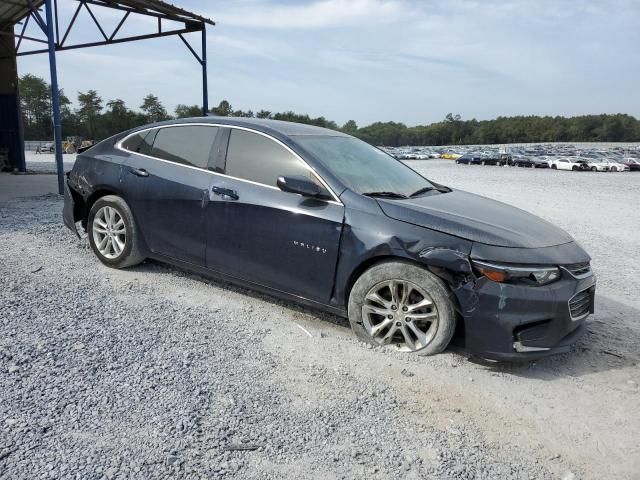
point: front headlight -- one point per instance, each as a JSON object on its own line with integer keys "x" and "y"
{"x": 519, "y": 274}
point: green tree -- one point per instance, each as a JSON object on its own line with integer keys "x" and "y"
{"x": 240, "y": 113}
{"x": 350, "y": 127}
{"x": 224, "y": 109}
{"x": 185, "y": 111}
{"x": 35, "y": 103}
{"x": 153, "y": 109}
{"x": 90, "y": 106}
{"x": 263, "y": 114}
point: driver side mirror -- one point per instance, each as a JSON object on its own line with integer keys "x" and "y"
{"x": 302, "y": 186}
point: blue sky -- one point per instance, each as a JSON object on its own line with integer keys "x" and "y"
{"x": 368, "y": 60}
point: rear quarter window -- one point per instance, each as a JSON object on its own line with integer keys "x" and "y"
{"x": 186, "y": 145}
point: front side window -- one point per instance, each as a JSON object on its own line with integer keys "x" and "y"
{"x": 363, "y": 168}
{"x": 188, "y": 145}
{"x": 251, "y": 156}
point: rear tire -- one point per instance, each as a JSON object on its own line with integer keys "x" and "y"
{"x": 113, "y": 234}
{"x": 594, "y": 169}
{"x": 554, "y": 167}
{"x": 399, "y": 303}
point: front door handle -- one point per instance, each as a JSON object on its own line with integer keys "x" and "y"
{"x": 225, "y": 192}
{"x": 140, "y": 172}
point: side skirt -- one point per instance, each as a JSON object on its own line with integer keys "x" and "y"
{"x": 215, "y": 275}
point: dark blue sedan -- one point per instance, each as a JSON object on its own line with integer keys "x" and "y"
{"x": 324, "y": 219}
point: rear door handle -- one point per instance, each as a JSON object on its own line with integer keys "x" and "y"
{"x": 140, "y": 172}
{"x": 225, "y": 192}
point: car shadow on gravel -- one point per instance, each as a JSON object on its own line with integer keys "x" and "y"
{"x": 609, "y": 344}
{"x": 156, "y": 266}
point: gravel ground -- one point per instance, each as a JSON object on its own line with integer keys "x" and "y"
{"x": 152, "y": 372}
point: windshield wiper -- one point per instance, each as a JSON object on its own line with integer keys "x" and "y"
{"x": 385, "y": 194}
{"x": 421, "y": 191}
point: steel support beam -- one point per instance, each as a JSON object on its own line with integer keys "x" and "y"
{"x": 55, "y": 95}
{"x": 205, "y": 87}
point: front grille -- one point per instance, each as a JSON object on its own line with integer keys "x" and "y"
{"x": 578, "y": 269}
{"x": 580, "y": 304}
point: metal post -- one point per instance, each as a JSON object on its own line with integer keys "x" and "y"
{"x": 55, "y": 96}
{"x": 205, "y": 88}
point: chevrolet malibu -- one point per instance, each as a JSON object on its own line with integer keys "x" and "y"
{"x": 321, "y": 218}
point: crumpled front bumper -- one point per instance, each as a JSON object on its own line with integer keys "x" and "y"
{"x": 515, "y": 323}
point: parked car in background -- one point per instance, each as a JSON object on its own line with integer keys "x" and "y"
{"x": 594, "y": 165}
{"x": 521, "y": 161}
{"x": 319, "y": 217}
{"x": 46, "y": 148}
{"x": 617, "y": 166}
{"x": 488, "y": 158}
{"x": 469, "y": 159}
{"x": 539, "y": 162}
{"x": 632, "y": 163}
{"x": 565, "y": 164}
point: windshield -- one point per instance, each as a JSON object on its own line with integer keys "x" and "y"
{"x": 363, "y": 168}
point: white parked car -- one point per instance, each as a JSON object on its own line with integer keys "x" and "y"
{"x": 617, "y": 167}
{"x": 597, "y": 165}
{"x": 564, "y": 164}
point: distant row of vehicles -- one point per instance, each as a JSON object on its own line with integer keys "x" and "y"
{"x": 555, "y": 163}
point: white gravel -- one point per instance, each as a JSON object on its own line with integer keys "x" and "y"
{"x": 152, "y": 372}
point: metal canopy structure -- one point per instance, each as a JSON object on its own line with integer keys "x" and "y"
{"x": 19, "y": 13}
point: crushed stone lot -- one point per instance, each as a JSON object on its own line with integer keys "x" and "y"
{"x": 153, "y": 372}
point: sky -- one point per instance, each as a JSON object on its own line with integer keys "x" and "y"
{"x": 407, "y": 61}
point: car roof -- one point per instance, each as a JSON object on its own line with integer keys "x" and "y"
{"x": 274, "y": 127}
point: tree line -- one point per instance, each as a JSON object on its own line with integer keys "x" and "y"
{"x": 94, "y": 118}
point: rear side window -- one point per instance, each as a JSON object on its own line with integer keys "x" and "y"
{"x": 140, "y": 142}
{"x": 254, "y": 157}
{"x": 189, "y": 145}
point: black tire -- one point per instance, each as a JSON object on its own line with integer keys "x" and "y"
{"x": 554, "y": 167}
{"x": 131, "y": 253}
{"x": 574, "y": 168}
{"x": 594, "y": 169}
{"x": 405, "y": 271}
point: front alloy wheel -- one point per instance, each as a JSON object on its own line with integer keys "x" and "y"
{"x": 403, "y": 304}
{"x": 400, "y": 312}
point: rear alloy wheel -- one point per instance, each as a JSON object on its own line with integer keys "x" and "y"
{"x": 112, "y": 233}
{"x": 401, "y": 304}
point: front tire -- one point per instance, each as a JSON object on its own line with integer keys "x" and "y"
{"x": 398, "y": 303}
{"x": 113, "y": 235}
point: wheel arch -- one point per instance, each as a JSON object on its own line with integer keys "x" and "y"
{"x": 445, "y": 263}
{"x": 96, "y": 194}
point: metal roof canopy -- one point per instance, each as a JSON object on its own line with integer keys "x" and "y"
{"x": 12, "y": 12}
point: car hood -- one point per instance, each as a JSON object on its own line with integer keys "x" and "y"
{"x": 476, "y": 218}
